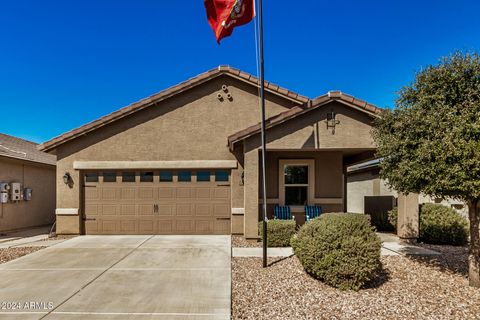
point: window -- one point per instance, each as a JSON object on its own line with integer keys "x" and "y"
{"x": 203, "y": 176}
{"x": 166, "y": 176}
{"x": 221, "y": 176}
{"x": 146, "y": 176}
{"x": 296, "y": 185}
{"x": 91, "y": 177}
{"x": 128, "y": 176}
{"x": 184, "y": 176}
{"x": 109, "y": 177}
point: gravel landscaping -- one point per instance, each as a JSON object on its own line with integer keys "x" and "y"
{"x": 241, "y": 242}
{"x": 407, "y": 288}
{"x": 8, "y": 254}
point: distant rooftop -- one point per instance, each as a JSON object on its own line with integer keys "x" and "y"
{"x": 17, "y": 148}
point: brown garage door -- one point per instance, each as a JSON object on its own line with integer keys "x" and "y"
{"x": 157, "y": 202}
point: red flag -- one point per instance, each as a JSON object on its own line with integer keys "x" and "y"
{"x": 224, "y": 15}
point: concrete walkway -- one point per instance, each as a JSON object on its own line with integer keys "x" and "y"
{"x": 391, "y": 246}
{"x": 27, "y": 238}
{"x": 121, "y": 277}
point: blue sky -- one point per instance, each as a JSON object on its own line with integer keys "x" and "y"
{"x": 65, "y": 63}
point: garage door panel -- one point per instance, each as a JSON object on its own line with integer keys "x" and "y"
{"x": 186, "y": 226}
{"x": 128, "y": 226}
{"x": 222, "y": 226}
{"x": 146, "y": 193}
{"x": 222, "y": 193}
{"x": 203, "y": 209}
{"x": 91, "y": 227}
{"x": 109, "y": 210}
{"x": 91, "y": 193}
{"x": 185, "y": 209}
{"x": 203, "y": 193}
{"x": 91, "y": 209}
{"x": 166, "y": 194}
{"x": 128, "y": 209}
{"x": 109, "y": 226}
{"x": 166, "y": 226}
{"x": 221, "y": 210}
{"x": 127, "y": 194}
{"x": 167, "y": 207}
{"x": 184, "y": 193}
{"x": 145, "y": 209}
{"x": 203, "y": 226}
{"x": 109, "y": 194}
{"x": 146, "y": 226}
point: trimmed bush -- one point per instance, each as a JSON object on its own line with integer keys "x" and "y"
{"x": 340, "y": 249}
{"x": 279, "y": 232}
{"x": 442, "y": 225}
{"x": 393, "y": 218}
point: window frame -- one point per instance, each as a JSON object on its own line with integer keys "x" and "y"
{"x": 165, "y": 171}
{"x": 222, "y": 181}
{"x": 180, "y": 171}
{"x": 108, "y": 173}
{"x": 134, "y": 176}
{"x": 204, "y": 171}
{"x": 97, "y": 174}
{"x": 282, "y": 164}
{"x": 144, "y": 174}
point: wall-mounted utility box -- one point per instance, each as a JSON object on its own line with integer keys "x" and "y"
{"x": 27, "y": 194}
{"x": 3, "y": 197}
{"x": 15, "y": 191}
{"x": 4, "y": 187}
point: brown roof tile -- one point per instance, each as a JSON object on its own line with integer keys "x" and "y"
{"x": 144, "y": 103}
{"x": 17, "y": 148}
{"x": 298, "y": 110}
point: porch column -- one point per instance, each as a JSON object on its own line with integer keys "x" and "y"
{"x": 407, "y": 223}
{"x": 251, "y": 177}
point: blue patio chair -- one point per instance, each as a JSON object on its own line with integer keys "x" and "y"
{"x": 283, "y": 213}
{"x": 312, "y": 212}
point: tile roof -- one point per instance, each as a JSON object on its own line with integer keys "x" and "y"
{"x": 167, "y": 93}
{"x": 17, "y": 148}
{"x": 346, "y": 99}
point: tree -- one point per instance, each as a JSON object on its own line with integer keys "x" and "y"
{"x": 430, "y": 143}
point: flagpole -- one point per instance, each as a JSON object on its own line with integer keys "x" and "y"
{"x": 263, "y": 135}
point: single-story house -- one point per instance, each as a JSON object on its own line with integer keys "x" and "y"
{"x": 27, "y": 185}
{"x": 363, "y": 180}
{"x": 187, "y": 160}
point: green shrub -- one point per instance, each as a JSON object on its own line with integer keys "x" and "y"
{"x": 279, "y": 232}
{"x": 442, "y": 225}
{"x": 393, "y": 218}
{"x": 340, "y": 249}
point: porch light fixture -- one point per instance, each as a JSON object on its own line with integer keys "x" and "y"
{"x": 332, "y": 121}
{"x": 67, "y": 179}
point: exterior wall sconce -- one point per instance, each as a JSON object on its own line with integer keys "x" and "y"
{"x": 332, "y": 121}
{"x": 67, "y": 179}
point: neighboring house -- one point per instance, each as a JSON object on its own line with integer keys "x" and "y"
{"x": 27, "y": 185}
{"x": 187, "y": 160}
{"x": 364, "y": 180}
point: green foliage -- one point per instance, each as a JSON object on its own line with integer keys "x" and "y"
{"x": 393, "y": 218}
{"x": 340, "y": 249}
{"x": 279, "y": 232}
{"x": 442, "y": 225}
{"x": 430, "y": 142}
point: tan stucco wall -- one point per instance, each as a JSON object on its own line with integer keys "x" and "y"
{"x": 309, "y": 131}
{"x": 41, "y": 209}
{"x": 193, "y": 125}
{"x": 368, "y": 183}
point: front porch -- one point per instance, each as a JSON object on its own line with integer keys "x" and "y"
{"x": 296, "y": 178}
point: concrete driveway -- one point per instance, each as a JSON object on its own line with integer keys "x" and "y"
{"x": 121, "y": 277}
